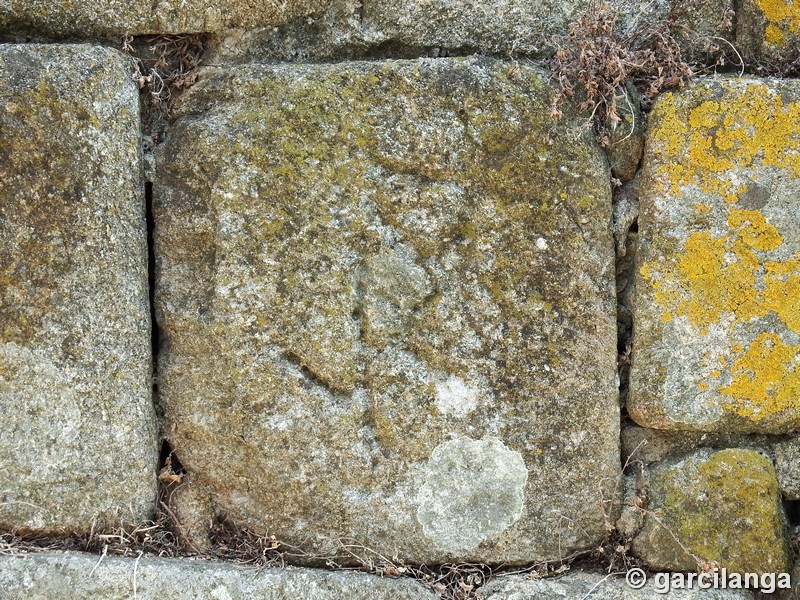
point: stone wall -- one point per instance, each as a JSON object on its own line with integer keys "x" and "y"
{"x": 355, "y": 284}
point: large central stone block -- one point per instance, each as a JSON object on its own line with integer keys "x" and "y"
{"x": 386, "y": 296}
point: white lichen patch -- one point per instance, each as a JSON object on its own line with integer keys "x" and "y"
{"x": 473, "y": 490}
{"x": 455, "y": 398}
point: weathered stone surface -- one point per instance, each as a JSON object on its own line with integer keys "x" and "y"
{"x": 63, "y": 18}
{"x": 517, "y": 25}
{"x": 78, "y": 435}
{"x": 56, "y": 576}
{"x": 352, "y": 28}
{"x": 714, "y": 507}
{"x": 329, "y": 28}
{"x": 787, "y": 464}
{"x": 580, "y": 585}
{"x": 768, "y": 31}
{"x": 386, "y": 292}
{"x": 717, "y": 319}
{"x": 640, "y": 444}
{"x": 626, "y": 137}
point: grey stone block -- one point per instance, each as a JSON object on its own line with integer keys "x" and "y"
{"x": 78, "y": 441}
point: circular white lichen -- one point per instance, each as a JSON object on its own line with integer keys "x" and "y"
{"x": 473, "y": 490}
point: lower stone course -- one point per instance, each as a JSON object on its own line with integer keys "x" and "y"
{"x": 67, "y": 576}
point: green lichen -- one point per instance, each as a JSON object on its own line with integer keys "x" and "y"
{"x": 307, "y": 175}
{"x": 724, "y": 509}
{"x": 43, "y": 176}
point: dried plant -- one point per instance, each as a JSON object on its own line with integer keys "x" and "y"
{"x": 166, "y": 65}
{"x": 598, "y": 56}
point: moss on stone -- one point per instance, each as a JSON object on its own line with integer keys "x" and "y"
{"x": 286, "y": 195}
{"x": 715, "y": 507}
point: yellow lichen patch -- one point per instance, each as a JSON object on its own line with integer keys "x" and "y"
{"x": 783, "y": 290}
{"x": 715, "y": 281}
{"x": 766, "y": 380}
{"x": 713, "y": 142}
{"x": 702, "y": 144}
{"x": 782, "y": 16}
{"x": 711, "y": 277}
{"x": 754, "y": 229}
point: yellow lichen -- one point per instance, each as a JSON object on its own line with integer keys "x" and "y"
{"x": 766, "y": 380}
{"x": 711, "y": 277}
{"x": 782, "y": 292}
{"x": 754, "y": 229}
{"x": 714, "y": 279}
{"x": 783, "y": 16}
{"x": 702, "y": 144}
{"x": 725, "y": 279}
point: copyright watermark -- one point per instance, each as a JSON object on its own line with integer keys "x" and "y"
{"x": 717, "y": 579}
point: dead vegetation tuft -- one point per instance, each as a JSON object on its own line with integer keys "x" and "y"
{"x": 599, "y": 56}
{"x": 166, "y": 66}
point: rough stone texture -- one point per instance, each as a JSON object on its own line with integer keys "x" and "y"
{"x": 627, "y": 136}
{"x": 717, "y": 318}
{"x": 320, "y": 28}
{"x": 653, "y": 445}
{"x": 579, "y": 585}
{"x": 386, "y": 294}
{"x": 787, "y": 464}
{"x": 352, "y": 28}
{"x": 75, "y": 18}
{"x": 508, "y": 25}
{"x": 78, "y": 436}
{"x": 68, "y": 576}
{"x": 768, "y": 31}
{"x": 714, "y": 507}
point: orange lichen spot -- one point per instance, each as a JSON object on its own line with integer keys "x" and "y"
{"x": 782, "y": 16}
{"x": 766, "y": 379}
{"x": 754, "y": 229}
{"x": 701, "y": 207}
{"x": 702, "y": 386}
